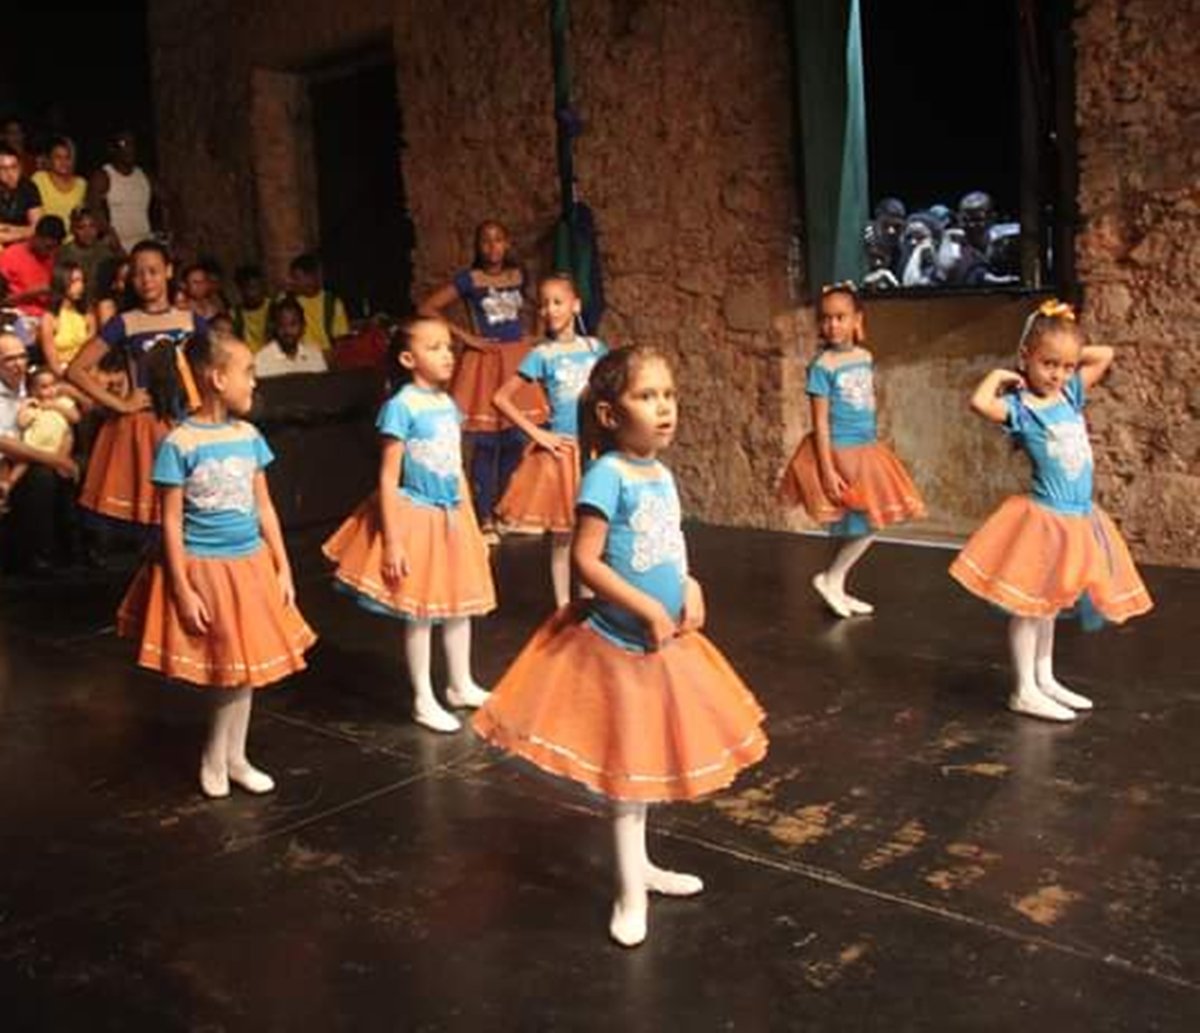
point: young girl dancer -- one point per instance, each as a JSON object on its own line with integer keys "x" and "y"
{"x": 541, "y": 494}
{"x": 219, "y": 609}
{"x": 493, "y": 291}
{"x": 841, "y": 474}
{"x": 413, "y": 550}
{"x": 118, "y": 483}
{"x": 1054, "y": 549}
{"x": 623, "y": 693}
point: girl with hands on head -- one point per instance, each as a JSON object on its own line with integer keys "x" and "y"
{"x": 1051, "y": 552}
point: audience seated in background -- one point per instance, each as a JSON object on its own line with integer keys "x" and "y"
{"x": 67, "y": 325}
{"x": 324, "y": 313}
{"x": 290, "y": 351}
{"x": 45, "y": 419}
{"x": 938, "y": 247}
{"x": 40, "y": 503}
{"x": 112, "y": 292}
{"x": 20, "y": 202}
{"x": 61, "y": 190}
{"x": 251, "y": 314}
{"x": 92, "y": 252}
{"x": 27, "y": 268}
{"x": 196, "y": 282}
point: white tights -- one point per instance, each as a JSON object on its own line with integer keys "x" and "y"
{"x": 637, "y": 875}
{"x": 224, "y": 758}
{"x": 463, "y": 690}
{"x": 1037, "y": 692}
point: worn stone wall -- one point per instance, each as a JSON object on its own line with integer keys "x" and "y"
{"x": 685, "y": 157}
{"x": 687, "y": 160}
{"x": 1138, "y": 108}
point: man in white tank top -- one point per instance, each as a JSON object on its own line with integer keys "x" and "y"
{"x": 125, "y": 193}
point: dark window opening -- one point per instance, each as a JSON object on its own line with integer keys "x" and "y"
{"x": 937, "y": 142}
{"x": 366, "y": 233}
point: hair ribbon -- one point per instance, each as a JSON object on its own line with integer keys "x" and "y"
{"x": 187, "y": 379}
{"x": 1052, "y": 308}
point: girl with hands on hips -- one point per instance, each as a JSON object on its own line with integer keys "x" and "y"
{"x": 541, "y": 495}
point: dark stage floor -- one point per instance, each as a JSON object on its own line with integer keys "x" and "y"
{"x": 909, "y": 856}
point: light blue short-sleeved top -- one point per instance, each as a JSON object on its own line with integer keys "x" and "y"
{"x": 215, "y": 464}
{"x": 645, "y": 542}
{"x": 846, "y": 378}
{"x": 429, "y": 424}
{"x": 562, "y": 368}
{"x": 1055, "y": 438}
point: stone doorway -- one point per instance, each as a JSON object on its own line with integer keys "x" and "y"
{"x": 365, "y": 233}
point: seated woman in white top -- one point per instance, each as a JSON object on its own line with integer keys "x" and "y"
{"x": 287, "y": 351}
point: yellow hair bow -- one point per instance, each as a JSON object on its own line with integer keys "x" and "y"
{"x": 1053, "y": 308}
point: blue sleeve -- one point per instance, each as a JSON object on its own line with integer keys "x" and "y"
{"x": 1013, "y": 424}
{"x": 169, "y": 469}
{"x": 1075, "y": 392}
{"x": 820, "y": 380}
{"x": 262, "y": 452}
{"x": 199, "y": 324}
{"x": 395, "y": 419}
{"x": 112, "y": 333}
{"x": 533, "y": 366}
{"x": 601, "y": 489}
{"x": 462, "y": 283}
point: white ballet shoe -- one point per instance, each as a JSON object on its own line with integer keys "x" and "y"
{"x": 858, "y": 607}
{"x": 213, "y": 784}
{"x": 1035, "y": 703}
{"x": 834, "y": 600}
{"x": 672, "y": 884}
{"x": 248, "y": 777}
{"x": 1061, "y": 694}
{"x": 436, "y": 718}
{"x": 471, "y": 696}
{"x": 628, "y": 923}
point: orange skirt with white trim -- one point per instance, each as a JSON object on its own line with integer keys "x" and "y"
{"x": 541, "y": 494}
{"x": 478, "y": 376}
{"x": 880, "y": 488}
{"x": 674, "y": 724}
{"x": 117, "y": 483}
{"x": 449, "y": 574}
{"x": 253, "y": 639}
{"x": 1032, "y": 561}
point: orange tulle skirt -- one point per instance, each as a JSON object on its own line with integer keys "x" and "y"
{"x": 880, "y": 487}
{"x": 670, "y": 725}
{"x": 253, "y": 639}
{"x": 449, "y": 574}
{"x": 541, "y": 494}
{"x": 117, "y": 483}
{"x": 1032, "y": 561}
{"x": 478, "y": 376}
